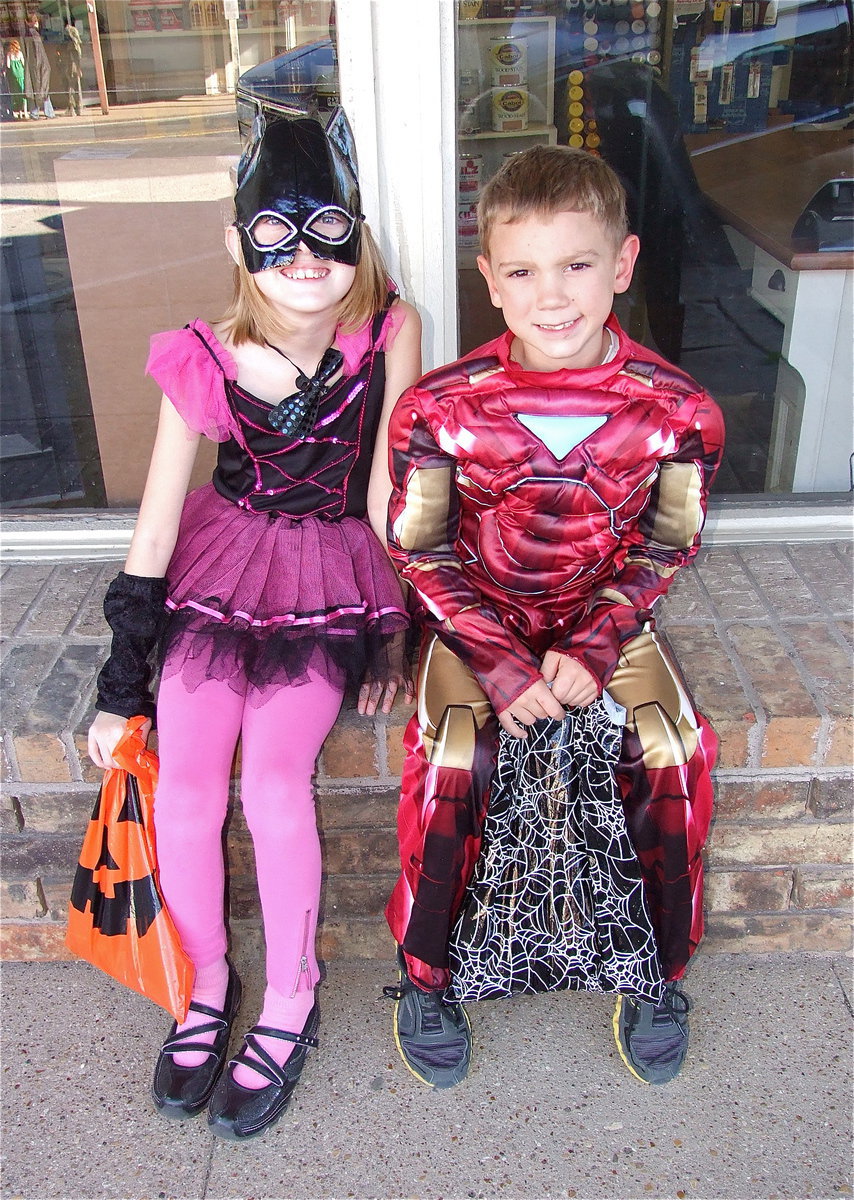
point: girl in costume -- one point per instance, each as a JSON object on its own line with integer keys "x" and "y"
{"x": 276, "y": 588}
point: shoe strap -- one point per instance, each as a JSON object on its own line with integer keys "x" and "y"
{"x": 185, "y": 1040}
{"x": 265, "y": 1065}
{"x": 393, "y": 992}
{"x": 218, "y": 1014}
{"x": 300, "y": 1039}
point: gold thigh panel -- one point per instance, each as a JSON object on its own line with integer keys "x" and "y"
{"x": 648, "y": 684}
{"x": 451, "y": 707}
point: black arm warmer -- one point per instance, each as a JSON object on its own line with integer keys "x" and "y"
{"x": 135, "y": 610}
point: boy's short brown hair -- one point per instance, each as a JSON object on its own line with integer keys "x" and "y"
{"x": 549, "y": 179}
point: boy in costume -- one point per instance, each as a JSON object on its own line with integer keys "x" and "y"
{"x": 547, "y": 487}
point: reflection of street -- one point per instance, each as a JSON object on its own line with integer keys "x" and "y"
{"x": 99, "y": 218}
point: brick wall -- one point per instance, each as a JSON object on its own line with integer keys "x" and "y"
{"x": 764, "y": 634}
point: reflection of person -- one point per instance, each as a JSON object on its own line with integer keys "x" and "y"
{"x": 277, "y": 590}
{"x": 38, "y": 67}
{"x": 16, "y": 79}
{"x": 72, "y": 58}
{"x": 546, "y": 489}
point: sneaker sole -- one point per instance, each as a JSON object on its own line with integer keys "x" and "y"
{"x": 615, "y": 1025}
{"x": 408, "y": 1064}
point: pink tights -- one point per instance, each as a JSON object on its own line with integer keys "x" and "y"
{"x": 281, "y": 739}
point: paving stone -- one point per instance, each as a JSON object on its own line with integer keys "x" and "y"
{"x": 820, "y": 887}
{"x": 57, "y": 894}
{"x": 826, "y": 567}
{"x": 828, "y": 664}
{"x": 21, "y": 901}
{"x": 766, "y": 844}
{"x": 710, "y": 674}
{"x": 791, "y": 742}
{"x": 792, "y": 931}
{"x": 394, "y": 752}
{"x": 774, "y": 798}
{"x": 731, "y": 590}
{"x": 734, "y": 739}
{"x": 357, "y": 895}
{"x": 58, "y": 604}
{"x": 778, "y": 684}
{"x": 686, "y": 597}
{"x": 6, "y": 773}
{"x": 56, "y": 812}
{"x": 369, "y": 939}
{"x": 34, "y": 942}
{"x": 373, "y": 810}
{"x": 10, "y": 818}
{"x": 41, "y": 758}
{"x": 60, "y": 695}
{"x": 749, "y": 891}
{"x": 21, "y": 584}
{"x": 840, "y": 742}
{"x": 54, "y": 854}
{"x": 89, "y": 620}
{"x": 360, "y": 852}
{"x": 24, "y": 669}
{"x": 88, "y": 771}
{"x": 777, "y": 578}
{"x": 830, "y": 796}
{"x": 350, "y": 752}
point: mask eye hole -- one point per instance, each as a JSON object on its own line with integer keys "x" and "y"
{"x": 269, "y": 230}
{"x": 332, "y": 225}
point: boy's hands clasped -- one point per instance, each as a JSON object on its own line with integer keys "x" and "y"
{"x": 564, "y": 684}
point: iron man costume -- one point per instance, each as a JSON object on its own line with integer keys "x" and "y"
{"x": 532, "y": 511}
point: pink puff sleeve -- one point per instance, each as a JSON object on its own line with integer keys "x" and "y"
{"x": 190, "y": 365}
{"x": 354, "y": 346}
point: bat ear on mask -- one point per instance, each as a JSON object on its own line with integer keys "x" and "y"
{"x": 297, "y": 184}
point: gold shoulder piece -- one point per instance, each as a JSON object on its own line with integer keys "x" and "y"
{"x": 485, "y": 374}
{"x": 635, "y": 375}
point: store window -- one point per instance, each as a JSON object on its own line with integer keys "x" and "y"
{"x": 724, "y": 119}
{"x": 113, "y": 212}
{"x": 730, "y": 124}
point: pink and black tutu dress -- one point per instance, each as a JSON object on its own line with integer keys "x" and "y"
{"x": 276, "y": 570}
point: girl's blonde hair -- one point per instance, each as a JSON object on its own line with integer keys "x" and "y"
{"x": 251, "y": 318}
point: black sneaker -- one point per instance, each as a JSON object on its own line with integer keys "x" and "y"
{"x": 433, "y": 1034}
{"x": 653, "y": 1038}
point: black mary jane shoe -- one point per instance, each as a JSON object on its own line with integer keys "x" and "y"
{"x": 236, "y": 1113}
{"x": 181, "y": 1092}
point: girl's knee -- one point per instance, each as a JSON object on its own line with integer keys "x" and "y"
{"x": 280, "y": 815}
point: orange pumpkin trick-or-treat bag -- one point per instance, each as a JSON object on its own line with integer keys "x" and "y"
{"x": 116, "y": 918}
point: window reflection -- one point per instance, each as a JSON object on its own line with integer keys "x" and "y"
{"x": 723, "y": 118}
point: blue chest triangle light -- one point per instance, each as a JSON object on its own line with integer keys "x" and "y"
{"x": 560, "y": 434}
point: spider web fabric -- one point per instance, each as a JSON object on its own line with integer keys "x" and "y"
{"x": 556, "y": 900}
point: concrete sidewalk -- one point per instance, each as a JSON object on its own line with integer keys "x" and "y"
{"x": 762, "y": 1109}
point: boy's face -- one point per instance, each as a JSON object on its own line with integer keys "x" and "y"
{"x": 555, "y": 278}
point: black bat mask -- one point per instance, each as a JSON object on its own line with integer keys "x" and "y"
{"x": 296, "y": 182}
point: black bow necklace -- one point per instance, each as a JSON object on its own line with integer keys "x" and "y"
{"x": 295, "y": 415}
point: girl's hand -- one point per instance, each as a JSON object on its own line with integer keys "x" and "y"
{"x": 104, "y": 734}
{"x": 571, "y": 684}
{"x": 371, "y": 693}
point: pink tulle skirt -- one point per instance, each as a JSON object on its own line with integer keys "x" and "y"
{"x": 261, "y": 599}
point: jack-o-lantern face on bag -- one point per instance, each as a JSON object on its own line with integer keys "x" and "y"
{"x": 118, "y": 886}
{"x": 117, "y": 919}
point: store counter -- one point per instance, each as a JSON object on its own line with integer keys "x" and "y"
{"x": 758, "y": 187}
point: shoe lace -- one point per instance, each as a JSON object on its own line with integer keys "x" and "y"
{"x": 673, "y": 1006}
{"x": 429, "y": 1005}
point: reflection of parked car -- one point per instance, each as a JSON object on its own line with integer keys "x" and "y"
{"x": 304, "y": 79}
